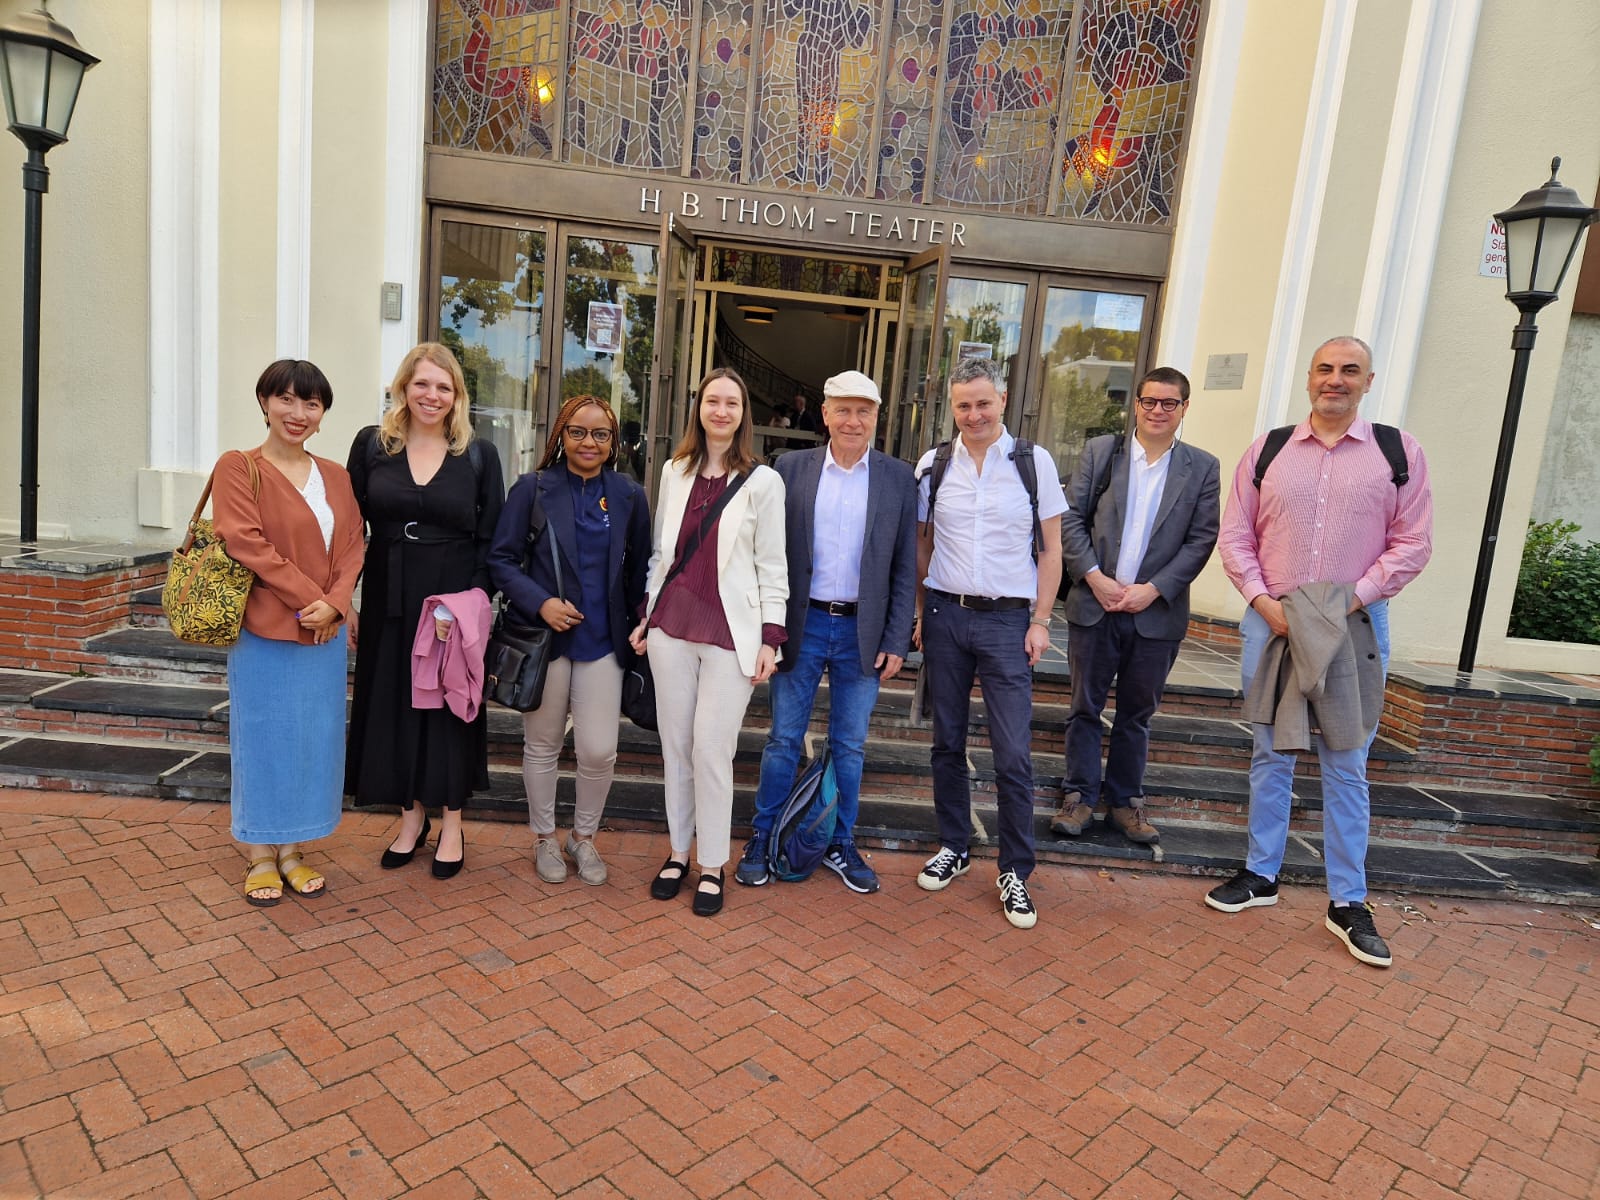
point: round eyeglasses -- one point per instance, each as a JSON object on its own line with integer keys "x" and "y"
{"x": 576, "y": 433}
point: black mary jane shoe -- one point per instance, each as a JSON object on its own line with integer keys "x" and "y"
{"x": 449, "y": 870}
{"x": 393, "y": 859}
{"x": 664, "y": 886}
{"x": 708, "y": 904}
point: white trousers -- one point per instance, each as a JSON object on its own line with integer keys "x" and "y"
{"x": 592, "y": 693}
{"x": 701, "y": 695}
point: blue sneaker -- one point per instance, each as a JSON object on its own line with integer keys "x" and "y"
{"x": 752, "y": 870}
{"x": 845, "y": 861}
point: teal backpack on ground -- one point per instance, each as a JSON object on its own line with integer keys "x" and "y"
{"x": 804, "y": 828}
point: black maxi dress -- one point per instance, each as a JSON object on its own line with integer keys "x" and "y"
{"x": 425, "y": 540}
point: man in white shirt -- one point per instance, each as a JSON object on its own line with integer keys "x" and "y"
{"x": 1141, "y": 523}
{"x": 850, "y": 517}
{"x": 985, "y": 612}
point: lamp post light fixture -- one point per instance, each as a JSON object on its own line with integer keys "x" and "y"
{"x": 1542, "y": 234}
{"x": 41, "y": 69}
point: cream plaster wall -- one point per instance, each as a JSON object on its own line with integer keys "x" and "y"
{"x": 93, "y": 394}
{"x": 347, "y": 210}
{"x": 1529, "y": 98}
{"x": 1569, "y": 471}
{"x": 1245, "y": 254}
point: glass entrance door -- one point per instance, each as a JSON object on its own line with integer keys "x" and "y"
{"x": 488, "y": 307}
{"x": 672, "y": 361}
{"x": 916, "y": 399}
{"x": 1091, "y": 344}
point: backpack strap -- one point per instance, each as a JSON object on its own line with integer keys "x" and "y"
{"x": 1027, "y": 470}
{"x": 1387, "y": 437}
{"x": 1394, "y": 450}
{"x": 1101, "y": 484}
{"x": 941, "y": 464}
{"x": 1269, "y": 451}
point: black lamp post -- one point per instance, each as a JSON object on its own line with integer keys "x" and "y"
{"x": 41, "y": 68}
{"x": 1542, "y": 233}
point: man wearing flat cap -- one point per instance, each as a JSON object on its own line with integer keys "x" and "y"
{"x": 851, "y": 525}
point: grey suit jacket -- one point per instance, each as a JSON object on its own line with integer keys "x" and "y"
{"x": 1180, "y": 541}
{"x": 887, "y": 601}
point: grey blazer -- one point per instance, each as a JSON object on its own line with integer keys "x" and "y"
{"x": 887, "y": 601}
{"x": 1181, "y": 540}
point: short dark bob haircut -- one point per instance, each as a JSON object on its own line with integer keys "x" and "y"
{"x": 304, "y": 379}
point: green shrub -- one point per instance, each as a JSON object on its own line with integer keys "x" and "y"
{"x": 1558, "y": 587}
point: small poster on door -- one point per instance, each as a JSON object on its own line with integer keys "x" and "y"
{"x": 974, "y": 350}
{"x": 604, "y": 332}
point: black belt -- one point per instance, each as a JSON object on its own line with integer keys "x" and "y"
{"x": 983, "y": 603}
{"x": 836, "y": 608}
{"x": 397, "y": 534}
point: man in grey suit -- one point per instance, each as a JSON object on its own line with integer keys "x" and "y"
{"x": 1141, "y": 523}
{"x": 851, "y": 529}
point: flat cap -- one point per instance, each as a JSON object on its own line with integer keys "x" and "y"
{"x": 853, "y": 384}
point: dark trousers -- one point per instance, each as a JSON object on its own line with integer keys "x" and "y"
{"x": 1113, "y": 649}
{"x": 957, "y": 644}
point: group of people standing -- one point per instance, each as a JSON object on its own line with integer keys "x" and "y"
{"x": 837, "y": 562}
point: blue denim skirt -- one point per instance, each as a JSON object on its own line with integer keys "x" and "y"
{"x": 286, "y": 738}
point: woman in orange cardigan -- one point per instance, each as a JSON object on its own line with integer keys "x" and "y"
{"x": 290, "y": 517}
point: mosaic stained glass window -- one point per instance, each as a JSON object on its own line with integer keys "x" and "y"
{"x": 496, "y": 69}
{"x": 819, "y": 84}
{"x": 628, "y": 78}
{"x": 795, "y": 273}
{"x": 1125, "y": 112}
{"x": 722, "y": 96}
{"x": 997, "y": 124}
{"x": 965, "y": 103}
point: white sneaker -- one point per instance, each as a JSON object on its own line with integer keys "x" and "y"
{"x": 939, "y": 870}
{"x": 1015, "y": 901}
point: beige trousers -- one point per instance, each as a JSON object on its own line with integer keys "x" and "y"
{"x": 592, "y": 693}
{"x": 700, "y": 700}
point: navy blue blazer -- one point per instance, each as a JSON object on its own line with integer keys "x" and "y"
{"x": 1181, "y": 539}
{"x": 887, "y": 602}
{"x": 527, "y": 586}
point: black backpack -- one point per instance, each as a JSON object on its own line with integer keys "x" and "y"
{"x": 1021, "y": 456}
{"x": 1387, "y": 437}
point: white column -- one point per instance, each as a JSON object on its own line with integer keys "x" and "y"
{"x": 296, "y": 28}
{"x": 1202, "y": 180}
{"x": 1283, "y": 368}
{"x": 1429, "y": 97}
{"x": 185, "y": 88}
{"x": 409, "y": 95}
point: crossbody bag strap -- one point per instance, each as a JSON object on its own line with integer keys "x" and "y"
{"x": 538, "y": 525}
{"x": 699, "y": 534}
{"x": 205, "y": 494}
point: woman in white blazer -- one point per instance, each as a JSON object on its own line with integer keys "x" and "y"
{"x": 715, "y": 626}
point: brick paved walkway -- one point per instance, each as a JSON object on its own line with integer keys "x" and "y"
{"x": 492, "y": 1037}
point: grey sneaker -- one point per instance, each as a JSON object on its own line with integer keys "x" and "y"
{"x": 591, "y": 867}
{"x": 547, "y": 861}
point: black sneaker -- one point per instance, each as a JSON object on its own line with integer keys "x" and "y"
{"x": 845, "y": 861}
{"x": 1015, "y": 901}
{"x": 939, "y": 870}
{"x": 752, "y": 870}
{"x": 1244, "y": 890}
{"x": 1353, "y": 926}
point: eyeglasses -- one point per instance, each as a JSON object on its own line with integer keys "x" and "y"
{"x": 1165, "y": 403}
{"x": 577, "y": 433}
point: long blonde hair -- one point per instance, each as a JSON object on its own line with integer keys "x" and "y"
{"x": 396, "y": 421}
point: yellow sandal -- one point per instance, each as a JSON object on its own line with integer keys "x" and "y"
{"x": 263, "y": 876}
{"x": 301, "y": 877}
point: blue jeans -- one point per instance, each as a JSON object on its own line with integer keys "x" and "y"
{"x": 828, "y": 643}
{"x": 1113, "y": 649}
{"x": 958, "y": 644}
{"x": 1346, "y": 812}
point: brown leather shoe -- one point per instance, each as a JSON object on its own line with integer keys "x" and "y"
{"x": 1133, "y": 825}
{"x": 1072, "y": 818}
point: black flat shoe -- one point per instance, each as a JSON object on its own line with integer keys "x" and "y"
{"x": 394, "y": 858}
{"x": 664, "y": 886}
{"x": 448, "y": 870}
{"x": 708, "y": 904}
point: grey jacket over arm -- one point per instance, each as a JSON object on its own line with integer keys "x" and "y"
{"x": 1181, "y": 540}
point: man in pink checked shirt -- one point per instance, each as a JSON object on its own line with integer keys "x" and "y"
{"x": 1328, "y": 510}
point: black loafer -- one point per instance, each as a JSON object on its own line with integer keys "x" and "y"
{"x": 708, "y": 904}
{"x": 393, "y": 859}
{"x": 664, "y": 886}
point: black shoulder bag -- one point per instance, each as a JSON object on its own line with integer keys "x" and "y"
{"x": 638, "y": 684}
{"x": 518, "y": 657}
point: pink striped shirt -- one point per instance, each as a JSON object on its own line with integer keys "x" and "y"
{"x": 1327, "y": 515}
